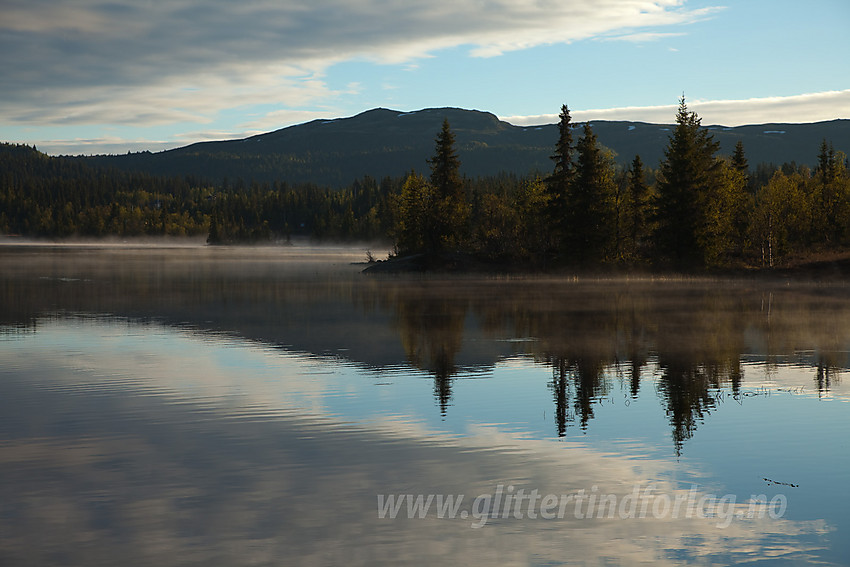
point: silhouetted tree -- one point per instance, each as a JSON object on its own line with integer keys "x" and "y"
{"x": 591, "y": 209}
{"x": 445, "y": 165}
{"x": 739, "y": 160}
{"x": 638, "y": 193}
{"x": 687, "y": 177}
{"x": 826, "y": 162}
{"x": 559, "y": 182}
{"x": 452, "y": 209}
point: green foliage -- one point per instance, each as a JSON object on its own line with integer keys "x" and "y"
{"x": 702, "y": 204}
{"x": 639, "y": 202}
{"x": 739, "y": 159}
{"x": 558, "y": 184}
{"x": 450, "y": 212}
{"x": 721, "y": 205}
{"x": 703, "y": 211}
{"x": 417, "y": 212}
{"x": 830, "y": 197}
{"x": 59, "y": 197}
{"x": 497, "y": 227}
{"x": 797, "y": 211}
{"x": 781, "y": 218}
{"x": 591, "y": 215}
{"x": 531, "y": 205}
{"x": 433, "y": 215}
{"x": 445, "y": 165}
{"x": 510, "y": 221}
{"x": 688, "y": 186}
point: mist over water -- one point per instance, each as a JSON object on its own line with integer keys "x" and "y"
{"x": 186, "y": 404}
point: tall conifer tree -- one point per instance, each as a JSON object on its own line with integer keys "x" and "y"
{"x": 445, "y": 165}
{"x": 739, "y": 159}
{"x": 687, "y": 178}
{"x": 591, "y": 208}
{"x": 638, "y": 197}
{"x": 558, "y": 183}
{"x": 451, "y": 207}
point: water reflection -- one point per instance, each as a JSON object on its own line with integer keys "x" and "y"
{"x": 431, "y": 329}
{"x": 594, "y": 336}
{"x": 152, "y": 445}
{"x": 223, "y": 406}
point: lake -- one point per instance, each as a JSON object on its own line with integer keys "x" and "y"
{"x": 184, "y": 404}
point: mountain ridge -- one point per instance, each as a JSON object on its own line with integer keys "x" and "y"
{"x": 383, "y": 142}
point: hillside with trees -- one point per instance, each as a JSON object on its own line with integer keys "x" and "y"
{"x": 383, "y": 143}
{"x": 698, "y": 209}
{"x": 54, "y": 197}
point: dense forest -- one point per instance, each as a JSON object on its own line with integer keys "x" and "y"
{"x": 54, "y": 197}
{"x": 696, "y": 209}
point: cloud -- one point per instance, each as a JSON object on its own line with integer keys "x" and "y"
{"x": 300, "y": 478}
{"x": 643, "y": 37}
{"x": 811, "y": 107}
{"x": 143, "y": 63}
{"x": 192, "y": 99}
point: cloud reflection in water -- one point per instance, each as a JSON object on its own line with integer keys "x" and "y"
{"x": 171, "y": 447}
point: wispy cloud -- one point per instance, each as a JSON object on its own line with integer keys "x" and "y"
{"x": 811, "y": 107}
{"x": 643, "y": 37}
{"x": 129, "y": 62}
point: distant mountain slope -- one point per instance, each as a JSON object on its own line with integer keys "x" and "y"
{"x": 384, "y": 142}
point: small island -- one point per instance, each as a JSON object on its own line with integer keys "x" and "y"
{"x": 703, "y": 213}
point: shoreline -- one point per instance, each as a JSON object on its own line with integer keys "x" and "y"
{"x": 828, "y": 266}
{"x": 833, "y": 266}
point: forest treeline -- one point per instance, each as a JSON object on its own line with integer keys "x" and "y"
{"x": 56, "y": 197}
{"x": 695, "y": 209}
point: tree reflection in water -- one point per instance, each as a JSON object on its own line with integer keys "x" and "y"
{"x": 431, "y": 331}
{"x": 594, "y": 335}
{"x": 591, "y": 333}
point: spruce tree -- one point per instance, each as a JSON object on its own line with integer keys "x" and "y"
{"x": 445, "y": 165}
{"x": 687, "y": 178}
{"x": 638, "y": 196}
{"x": 449, "y": 223}
{"x": 739, "y": 160}
{"x": 826, "y": 162}
{"x": 591, "y": 207}
{"x": 558, "y": 183}
{"x": 827, "y": 197}
{"x": 214, "y": 236}
{"x": 739, "y": 163}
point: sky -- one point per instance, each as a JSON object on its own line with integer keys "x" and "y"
{"x": 111, "y": 76}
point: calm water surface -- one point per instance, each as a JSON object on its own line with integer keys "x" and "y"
{"x": 232, "y": 406}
